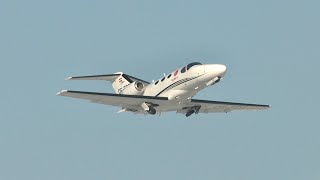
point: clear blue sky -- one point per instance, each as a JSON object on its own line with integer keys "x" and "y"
{"x": 271, "y": 48}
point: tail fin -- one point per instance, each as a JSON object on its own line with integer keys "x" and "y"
{"x": 120, "y": 82}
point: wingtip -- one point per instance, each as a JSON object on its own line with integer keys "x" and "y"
{"x": 61, "y": 92}
{"x": 68, "y": 78}
{"x": 266, "y": 107}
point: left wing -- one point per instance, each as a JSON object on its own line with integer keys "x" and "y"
{"x": 220, "y": 106}
{"x": 131, "y": 102}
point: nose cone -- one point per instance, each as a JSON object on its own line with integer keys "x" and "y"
{"x": 217, "y": 69}
{"x": 221, "y": 69}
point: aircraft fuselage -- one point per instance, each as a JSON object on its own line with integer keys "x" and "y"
{"x": 186, "y": 82}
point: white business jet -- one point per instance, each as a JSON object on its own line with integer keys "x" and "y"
{"x": 173, "y": 92}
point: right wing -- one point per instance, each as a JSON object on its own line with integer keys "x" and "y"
{"x": 124, "y": 101}
{"x": 220, "y": 106}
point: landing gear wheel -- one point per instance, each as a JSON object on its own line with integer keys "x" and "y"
{"x": 152, "y": 111}
{"x": 189, "y": 113}
{"x": 218, "y": 80}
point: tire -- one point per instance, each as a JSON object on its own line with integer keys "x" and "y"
{"x": 152, "y": 111}
{"x": 189, "y": 113}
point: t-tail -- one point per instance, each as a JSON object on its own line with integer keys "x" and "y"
{"x": 121, "y": 83}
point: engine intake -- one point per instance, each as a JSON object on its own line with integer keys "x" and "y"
{"x": 139, "y": 86}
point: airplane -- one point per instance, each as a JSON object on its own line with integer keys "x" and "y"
{"x": 173, "y": 92}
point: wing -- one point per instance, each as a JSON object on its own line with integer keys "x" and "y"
{"x": 130, "y": 102}
{"x": 108, "y": 77}
{"x": 219, "y": 106}
{"x": 133, "y": 102}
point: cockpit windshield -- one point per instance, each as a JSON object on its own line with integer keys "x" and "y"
{"x": 193, "y": 64}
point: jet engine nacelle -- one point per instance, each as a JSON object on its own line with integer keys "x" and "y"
{"x": 135, "y": 88}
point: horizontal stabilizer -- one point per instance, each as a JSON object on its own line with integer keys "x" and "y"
{"x": 108, "y": 77}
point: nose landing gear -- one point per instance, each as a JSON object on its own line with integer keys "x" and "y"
{"x": 218, "y": 79}
{"x": 214, "y": 81}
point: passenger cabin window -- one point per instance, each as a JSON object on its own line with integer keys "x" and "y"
{"x": 169, "y": 76}
{"x": 163, "y": 79}
{"x": 183, "y": 70}
{"x": 156, "y": 82}
{"x": 193, "y": 64}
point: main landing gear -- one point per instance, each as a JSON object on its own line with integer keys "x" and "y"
{"x": 149, "y": 108}
{"x": 192, "y": 110}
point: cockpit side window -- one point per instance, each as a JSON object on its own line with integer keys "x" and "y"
{"x": 183, "y": 70}
{"x": 156, "y": 82}
{"x": 193, "y": 64}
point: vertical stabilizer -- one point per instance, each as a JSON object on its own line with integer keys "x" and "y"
{"x": 120, "y": 82}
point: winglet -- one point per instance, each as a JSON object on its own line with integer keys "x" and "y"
{"x": 122, "y": 110}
